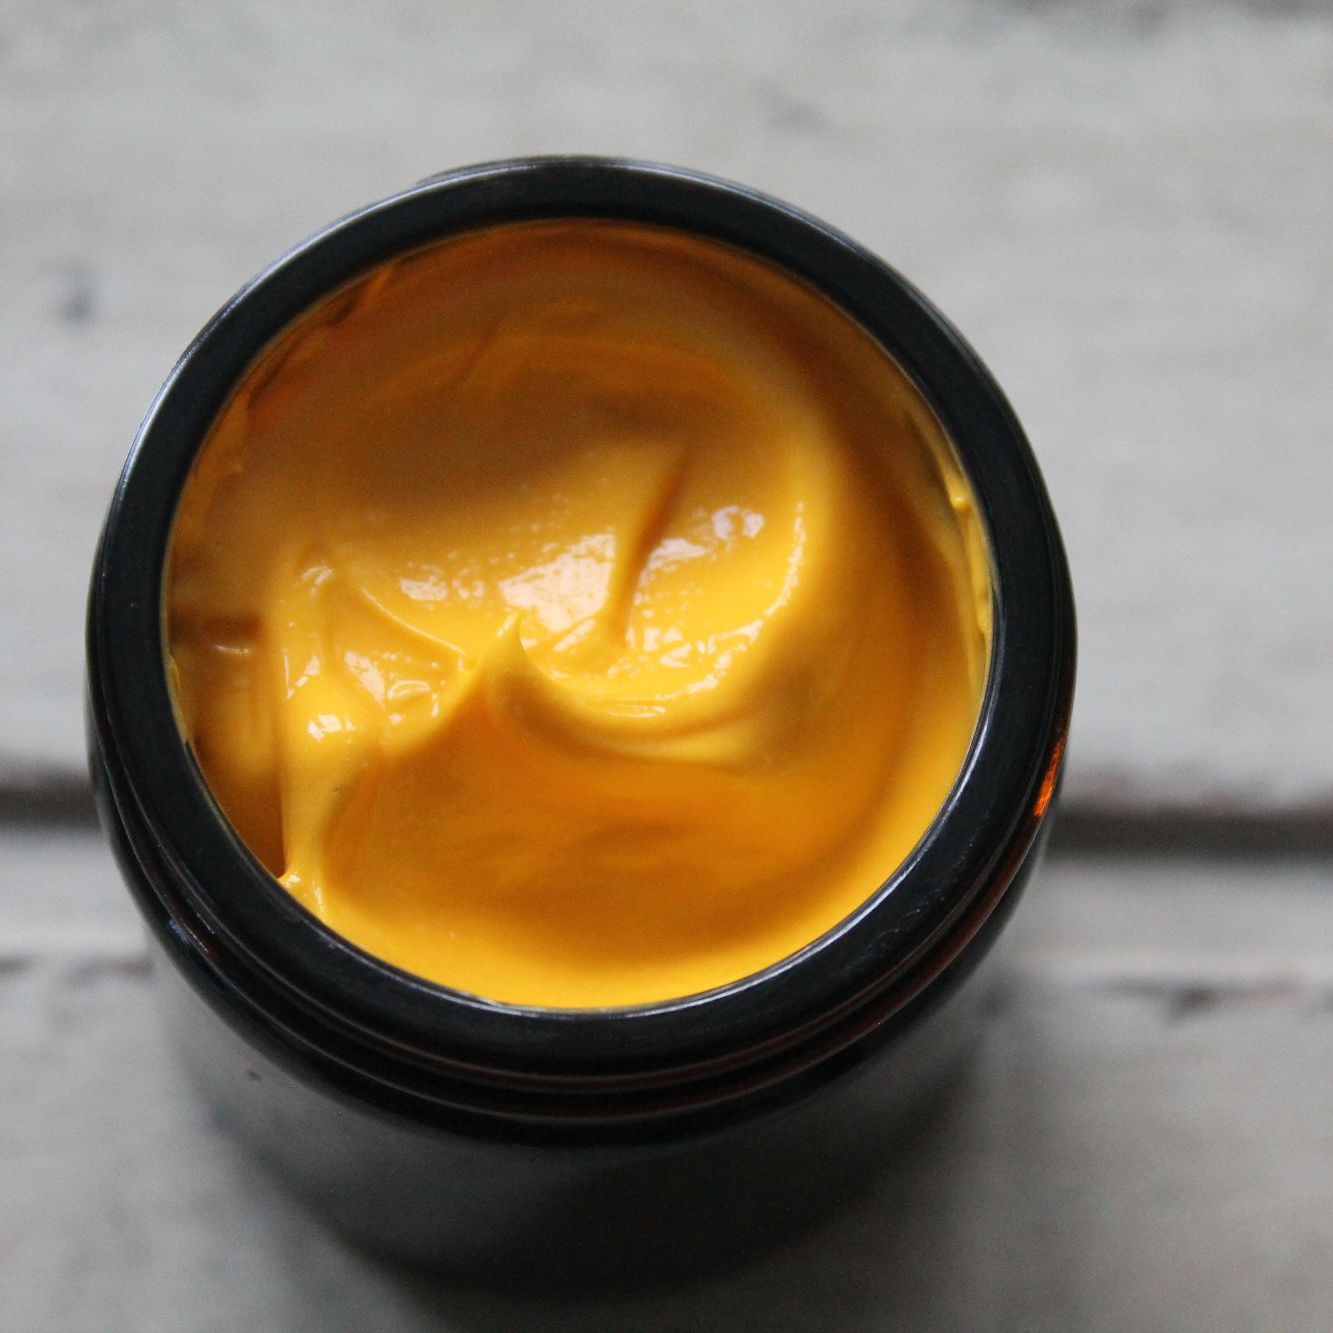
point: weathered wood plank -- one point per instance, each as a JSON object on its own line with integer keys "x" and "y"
{"x": 1142, "y": 1143}
{"x": 1126, "y": 207}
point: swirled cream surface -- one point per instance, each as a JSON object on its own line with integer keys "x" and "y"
{"x": 578, "y": 614}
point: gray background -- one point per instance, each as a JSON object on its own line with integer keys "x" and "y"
{"x": 1128, "y": 208}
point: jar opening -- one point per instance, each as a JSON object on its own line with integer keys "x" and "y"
{"x": 578, "y": 613}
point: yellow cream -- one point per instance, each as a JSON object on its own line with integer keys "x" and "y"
{"x": 578, "y": 614}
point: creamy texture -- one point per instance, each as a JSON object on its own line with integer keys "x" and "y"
{"x": 578, "y": 614}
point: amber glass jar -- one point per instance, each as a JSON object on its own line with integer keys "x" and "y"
{"x": 574, "y": 1144}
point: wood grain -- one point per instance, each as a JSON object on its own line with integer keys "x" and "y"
{"x": 1141, "y": 1143}
{"x": 1126, "y": 207}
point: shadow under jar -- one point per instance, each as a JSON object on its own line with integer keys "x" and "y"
{"x": 571, "y": 1144}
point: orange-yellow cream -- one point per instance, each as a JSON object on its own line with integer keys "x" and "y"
{"x": 578, "y": 614}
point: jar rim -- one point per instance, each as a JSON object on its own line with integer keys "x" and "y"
{"x": 934, "y": 901}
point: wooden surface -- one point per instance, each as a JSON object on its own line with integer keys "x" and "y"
{"x": 1125, "y": 205}
{"x": 1128, "y": 207}
{"x": 1143, "y": 1141}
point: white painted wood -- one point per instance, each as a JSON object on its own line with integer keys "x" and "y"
{"x": 1127, "y": 207}
{"x": 1142, "y": 1143}
{"x": 61, "y": 895}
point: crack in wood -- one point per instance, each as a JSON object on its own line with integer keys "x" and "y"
{"x": 1186, "y": 998}
{"x": 76, "y": 969}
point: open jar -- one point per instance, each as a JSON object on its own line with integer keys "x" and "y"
{"x": 556, "y": 1140}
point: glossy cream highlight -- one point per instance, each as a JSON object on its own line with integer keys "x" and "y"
{"x": 578, "y": 614}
